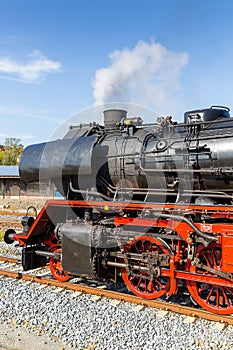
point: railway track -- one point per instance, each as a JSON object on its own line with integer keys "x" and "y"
{"x": 12, "y": 218}
{"x": 13, "y": 213}
{"x": 39, "y": 276}
{"x": 18, "y": 214}
{"x": 7, "y": 224}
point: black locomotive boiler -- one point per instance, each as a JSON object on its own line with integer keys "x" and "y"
{"x": 149, "y": 204}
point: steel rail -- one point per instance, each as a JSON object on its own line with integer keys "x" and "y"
{"x": 13, "y": 213}
{"x": 16, "y": 224}
{"x": 9, "y": 259}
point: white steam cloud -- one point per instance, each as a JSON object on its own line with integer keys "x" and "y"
{"x": 148, "y": 74}
{"x": 36, "y": 67}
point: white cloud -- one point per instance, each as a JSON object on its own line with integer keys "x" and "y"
{"x": 35, "y": 67}
{"x": 147, "y": 74}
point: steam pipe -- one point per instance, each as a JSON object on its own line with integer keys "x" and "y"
{"x": 187, "y": 221}
{"x": 93, "y": 193}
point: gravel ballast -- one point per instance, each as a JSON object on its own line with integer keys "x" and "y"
{"x": 82, "y": 323}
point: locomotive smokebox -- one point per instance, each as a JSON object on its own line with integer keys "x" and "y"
{"x": 112, "y": 117}
{"x": 56, "y": 159}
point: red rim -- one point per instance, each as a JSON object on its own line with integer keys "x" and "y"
{"x": 57, "y": 270}
{"x": 140, "y": 282}
{"x": 214, "y": 298}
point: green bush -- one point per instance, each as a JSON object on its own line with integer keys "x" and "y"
{"x": 1, "y": 235}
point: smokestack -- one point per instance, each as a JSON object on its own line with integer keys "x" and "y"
{"x": 113, "y": 117}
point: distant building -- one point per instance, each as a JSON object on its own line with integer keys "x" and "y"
{"x": 12, "y": 187}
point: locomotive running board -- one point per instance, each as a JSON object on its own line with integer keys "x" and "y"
{"x": 55, "y": 211}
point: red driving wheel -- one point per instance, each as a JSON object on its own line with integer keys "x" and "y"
{"x": 214, "y": 298}
{"x": 139, "y": 282}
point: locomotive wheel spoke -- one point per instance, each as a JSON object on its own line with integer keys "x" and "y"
{"x": 215, "y": 261}
{"x": 132, "y": 278}
{"x": 203, "y": 288}
{"x": 57, "y": 270}
{"x": 218, "y": 296}
{"x": 150, "y": 287}
{"x": 230, "y": 291}
{"x": 208, "y": 258}
{"x": 215, "y": 298}
{"x": 158, "y": 282}
{"x": 225, "y": 297}
{"x": 210, "y": 293}
{"x": 141, "y": 283}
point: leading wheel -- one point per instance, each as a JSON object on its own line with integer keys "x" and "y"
{"x": 214, "y": 298}
{"x": 139, "y": 280}
{"x": 57, "y": 270}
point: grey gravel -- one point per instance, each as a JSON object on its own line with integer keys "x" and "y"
{"x": 12, "y": 250}
{"x": 81, "y": 323}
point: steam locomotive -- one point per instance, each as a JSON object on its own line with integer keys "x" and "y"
{"x": 149, "y": 204}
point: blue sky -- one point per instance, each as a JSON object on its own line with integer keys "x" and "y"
{"x": 58, "y": 57}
